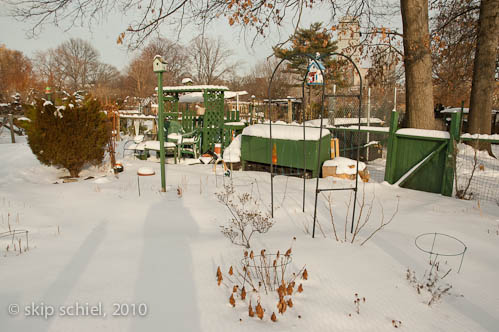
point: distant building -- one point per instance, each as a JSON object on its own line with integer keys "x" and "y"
{"x": 348, "y": 44}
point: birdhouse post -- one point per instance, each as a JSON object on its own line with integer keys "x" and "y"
{"x": 159, "y": 67}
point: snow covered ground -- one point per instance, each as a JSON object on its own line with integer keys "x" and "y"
{"x": 96, "y": 241}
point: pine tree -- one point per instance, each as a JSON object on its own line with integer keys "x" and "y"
{"x": 315, "y": 39}
{"x": 69, "y": 136}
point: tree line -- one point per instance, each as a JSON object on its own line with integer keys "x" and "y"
{"x": 448, "y": 48}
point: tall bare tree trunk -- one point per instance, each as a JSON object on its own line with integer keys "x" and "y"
{"x": 482, "y": 88}
{"x": 417, "y": 63}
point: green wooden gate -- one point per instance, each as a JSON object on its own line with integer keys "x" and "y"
{"x": 419, "y": 161}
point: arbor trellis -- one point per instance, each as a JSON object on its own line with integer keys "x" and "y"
{"x": 316, "y": 61}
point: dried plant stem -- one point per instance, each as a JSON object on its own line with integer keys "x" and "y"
{"x": 330, "y": 203}
{"x": 383, "y": 223}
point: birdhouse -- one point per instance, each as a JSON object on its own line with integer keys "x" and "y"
{"x": 314, "y": 74}
{"x": 158, "y": 64}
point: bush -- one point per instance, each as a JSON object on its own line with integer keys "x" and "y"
{"x": 69, "y": 136}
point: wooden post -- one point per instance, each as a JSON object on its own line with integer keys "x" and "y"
{"x": 290, "y": 110}
{"x": 118, "y": 129}
{"x": 391, "y": 159}
{"x": 11, "y": 123}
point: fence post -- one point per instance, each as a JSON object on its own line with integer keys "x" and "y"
{"x": 450, "y": 159}
{"x": 391, "y": 159}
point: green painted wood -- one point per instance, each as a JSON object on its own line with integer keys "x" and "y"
{"x": 410, "y": 151}
{"x": 373, "y": 131}
{"x": 427, "y": 160}
{"x": 392, "y": 149}
{"x": 438, "y": 139}
{"x": 289, "y": 153}
{"x": 213, "y": 120}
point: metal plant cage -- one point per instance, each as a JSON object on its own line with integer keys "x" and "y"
{"x": 435, "y": 252}
{"x": 334, "y": 96}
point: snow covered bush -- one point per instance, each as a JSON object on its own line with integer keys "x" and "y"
{"x": 246, "y": 220}
{"x": 69, "y": 136}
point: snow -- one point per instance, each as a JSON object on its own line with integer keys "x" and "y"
{"x": 138, "y": 117}
{"x": 370, "y": 128}
{"x": 234, "y": 123}
{"x": 102, "y": 180}
{"x": 145, "y": 171}
{"x": 47, "y": 102}
{"x": 342, "y": 121}
{"x": 194, "y": 87}
{"x": 23, "y": 118}
{"x": 154, "y": 145}
{"x": 481, "y": 136}
{"x": 345, "y": 165}
{"x": 458, "y": 109}
{"x": 232, "y": 154}
{"x": 424, "y": 133}
{"x": 102, "y": 243}
{"x": 138, "y": 138}
{"x": 287, "y": 132}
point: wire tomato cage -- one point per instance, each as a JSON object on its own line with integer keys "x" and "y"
{"x": 436, "y": 251}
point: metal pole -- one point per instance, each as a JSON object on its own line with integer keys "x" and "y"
{"x": 11, "y": 123}
{"x": 368, "y": 120}
{"x": 138, "y": 183}
{"x": 395, "y": 100}
{"x": 161, "y": 131}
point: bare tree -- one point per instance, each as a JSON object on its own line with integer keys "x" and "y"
{"x": 258, "y": 17}
{"x": 16, "y": 74}
{"x": 74, "y": 64}
{"x": 140, "y": 74}
{"x": 454, "y": 32}
{"x": 257, "y": 81}
{"x": 211, "y": 60}
{"x": 484, "y": 69}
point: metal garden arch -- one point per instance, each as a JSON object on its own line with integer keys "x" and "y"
{"x": 358, "y": 96}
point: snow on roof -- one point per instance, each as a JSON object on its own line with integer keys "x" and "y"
{"x": 194, "y": 88}
{"x": 424, "y": 133}
{"x": 232, "y": 94}
{"x": 197, "y": 97}
{"x": 288, "y": 132}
